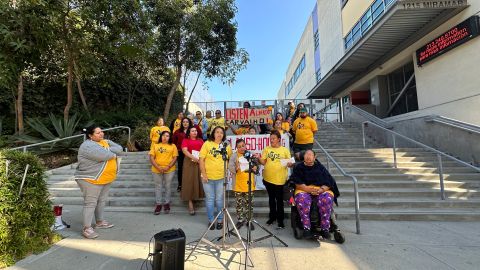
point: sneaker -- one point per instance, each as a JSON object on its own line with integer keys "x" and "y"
{"x": 158, "y": 209}
{"x": 280, "y": 225}
{"x": 219, "y": 225}
{"x": 166, "y": 209}
{"x": 240, "y": 224}
{"x": 325, "y": 234}
{"x": 307, "y": 234}
{"x": 89, "y": 233}
{"x": 252, "y": 228}
{"x": 103, "y": 225}
{"x": 210, "y": 226}
{"x": 270, "y": 221}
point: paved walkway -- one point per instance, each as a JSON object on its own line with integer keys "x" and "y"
{"x": 382, "y": 245}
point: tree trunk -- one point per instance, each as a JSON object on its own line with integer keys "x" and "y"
{"x": 79, "y": 87}
{"x": 69, "y": 90}
{"x": 19, "y": 105}
{"x": 191, "y": 93}
{"x": 168, "y": 104}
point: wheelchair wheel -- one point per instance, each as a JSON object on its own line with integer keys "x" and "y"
{"x": 297, "y": 233}
{"x": 339, "y": 238}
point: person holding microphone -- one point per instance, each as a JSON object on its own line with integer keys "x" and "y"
{"x": 212, "y": 173}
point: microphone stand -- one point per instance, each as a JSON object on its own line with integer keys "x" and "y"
{"x": 250, "y": 219}
{"x": 223, "y": 151}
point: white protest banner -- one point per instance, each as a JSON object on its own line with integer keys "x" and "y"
{"x": 247, "y": 116}
{"x": 254, "y": 144}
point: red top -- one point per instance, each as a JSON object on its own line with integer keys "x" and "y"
{"x": 192, "y": 144}
{"x": 178, "y": 137}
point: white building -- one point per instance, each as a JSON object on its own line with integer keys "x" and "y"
{"x": 399, "y": 59}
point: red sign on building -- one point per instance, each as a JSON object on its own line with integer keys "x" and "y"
{"x": 454, "y": 37}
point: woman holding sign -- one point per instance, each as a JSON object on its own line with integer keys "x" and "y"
{"x": 212, "y": 174}
{"x": 191, "y": 182}
{"x": 274, "y": 176}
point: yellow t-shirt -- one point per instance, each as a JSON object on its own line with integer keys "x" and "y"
{"x": 217, "y": 122}
{"x": 109, "y": 172}
{"x": 286, "y": 126}
{"x": 317, "y": 187}
{"x": 242, "y": 130}
{"x": 241, "y": 179}
{"x": 177, "y": 125}
{"x": 304, "y": 129}
{"x": 273, "y": 171}
{"x": 213, "y": 161}
{"x": 163, "y": 154}
{"x": 156, "y": 131}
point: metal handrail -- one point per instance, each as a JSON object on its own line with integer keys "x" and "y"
{"x": 454, "y": 123}
{"x": 370, "y": 116}
{"x": 24, "y": 148}
{"x": 355, "y": 184}
{"x": 439, "y": 153}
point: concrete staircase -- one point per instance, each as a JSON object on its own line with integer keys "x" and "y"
{"x": 409, "y": 192}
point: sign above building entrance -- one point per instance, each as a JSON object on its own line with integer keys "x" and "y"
{"x": 433, "y": 4}
{"x": 452, "y": 38}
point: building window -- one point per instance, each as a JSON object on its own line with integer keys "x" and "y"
{"x": 316, "y": 40}
{"x": 296, "y": 75}
{"x": 371, "y": 15}
{"x": 396, "y": 82}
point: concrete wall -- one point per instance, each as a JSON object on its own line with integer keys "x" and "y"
{"x": 436, "y": 135}
{"x": 330, "y": 30}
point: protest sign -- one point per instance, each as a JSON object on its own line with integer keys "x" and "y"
{"x": 247, "y": 116}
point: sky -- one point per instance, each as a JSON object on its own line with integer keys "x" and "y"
{"x": 269, "y": 30}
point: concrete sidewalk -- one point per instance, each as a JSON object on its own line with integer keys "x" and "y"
{"x": 382, "y": 245}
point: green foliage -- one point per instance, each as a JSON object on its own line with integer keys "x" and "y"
{"x": 63, "y": 128}
{"x": 141, "y": 136}
{"x": 25, "y": 220}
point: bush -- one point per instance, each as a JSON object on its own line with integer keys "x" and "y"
{"x": 25, "y": 220}
{"x": 141, "y": 137}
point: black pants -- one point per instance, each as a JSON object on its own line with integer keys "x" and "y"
{"x": 180, "y": 158}
{"x": 275, "y": 201}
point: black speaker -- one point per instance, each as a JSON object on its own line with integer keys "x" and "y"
{"x": 169, "y": 250}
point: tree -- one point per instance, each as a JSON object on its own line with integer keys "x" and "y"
{"x": 26, "y": 33}
{"x": 197, "y": 37}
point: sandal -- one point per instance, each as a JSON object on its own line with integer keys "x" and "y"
{"x": 191, "y": 212}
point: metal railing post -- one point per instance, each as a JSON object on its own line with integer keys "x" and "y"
{"x": 357, "y": 204}
{"x": 84, "y": 137}
{"x": 363, "y": 134}
{"x": 24, "y": 149}
{"x": 440, "y": 173}
{"x": 394, "y": 152}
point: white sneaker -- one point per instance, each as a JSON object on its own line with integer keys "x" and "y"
{"x": 103, "y": 225}
{"x": 89, "y": 233}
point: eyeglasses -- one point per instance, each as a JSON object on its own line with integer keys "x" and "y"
{"x": 218, "y": 113}
{"x": 198, "y": 114}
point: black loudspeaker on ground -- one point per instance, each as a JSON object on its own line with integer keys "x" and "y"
{"x": 169, "y": 250}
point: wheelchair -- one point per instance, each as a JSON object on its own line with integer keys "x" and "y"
{"x": 297, "y": 225}
{"x": 296, "y": 222}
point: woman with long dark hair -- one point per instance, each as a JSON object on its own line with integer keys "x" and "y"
{"x": 191, "y": 183}
{"x": 97, "y": 169}
{"x": 178, "y": 137}
{"x": 212, "y": 174}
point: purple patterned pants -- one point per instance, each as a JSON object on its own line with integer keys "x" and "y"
{"x": 324, "y": 203}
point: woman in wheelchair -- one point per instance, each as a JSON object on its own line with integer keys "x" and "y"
{"x": 314, "y": 184}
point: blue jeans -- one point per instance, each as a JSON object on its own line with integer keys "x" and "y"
{"x": 213, "y": 197}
